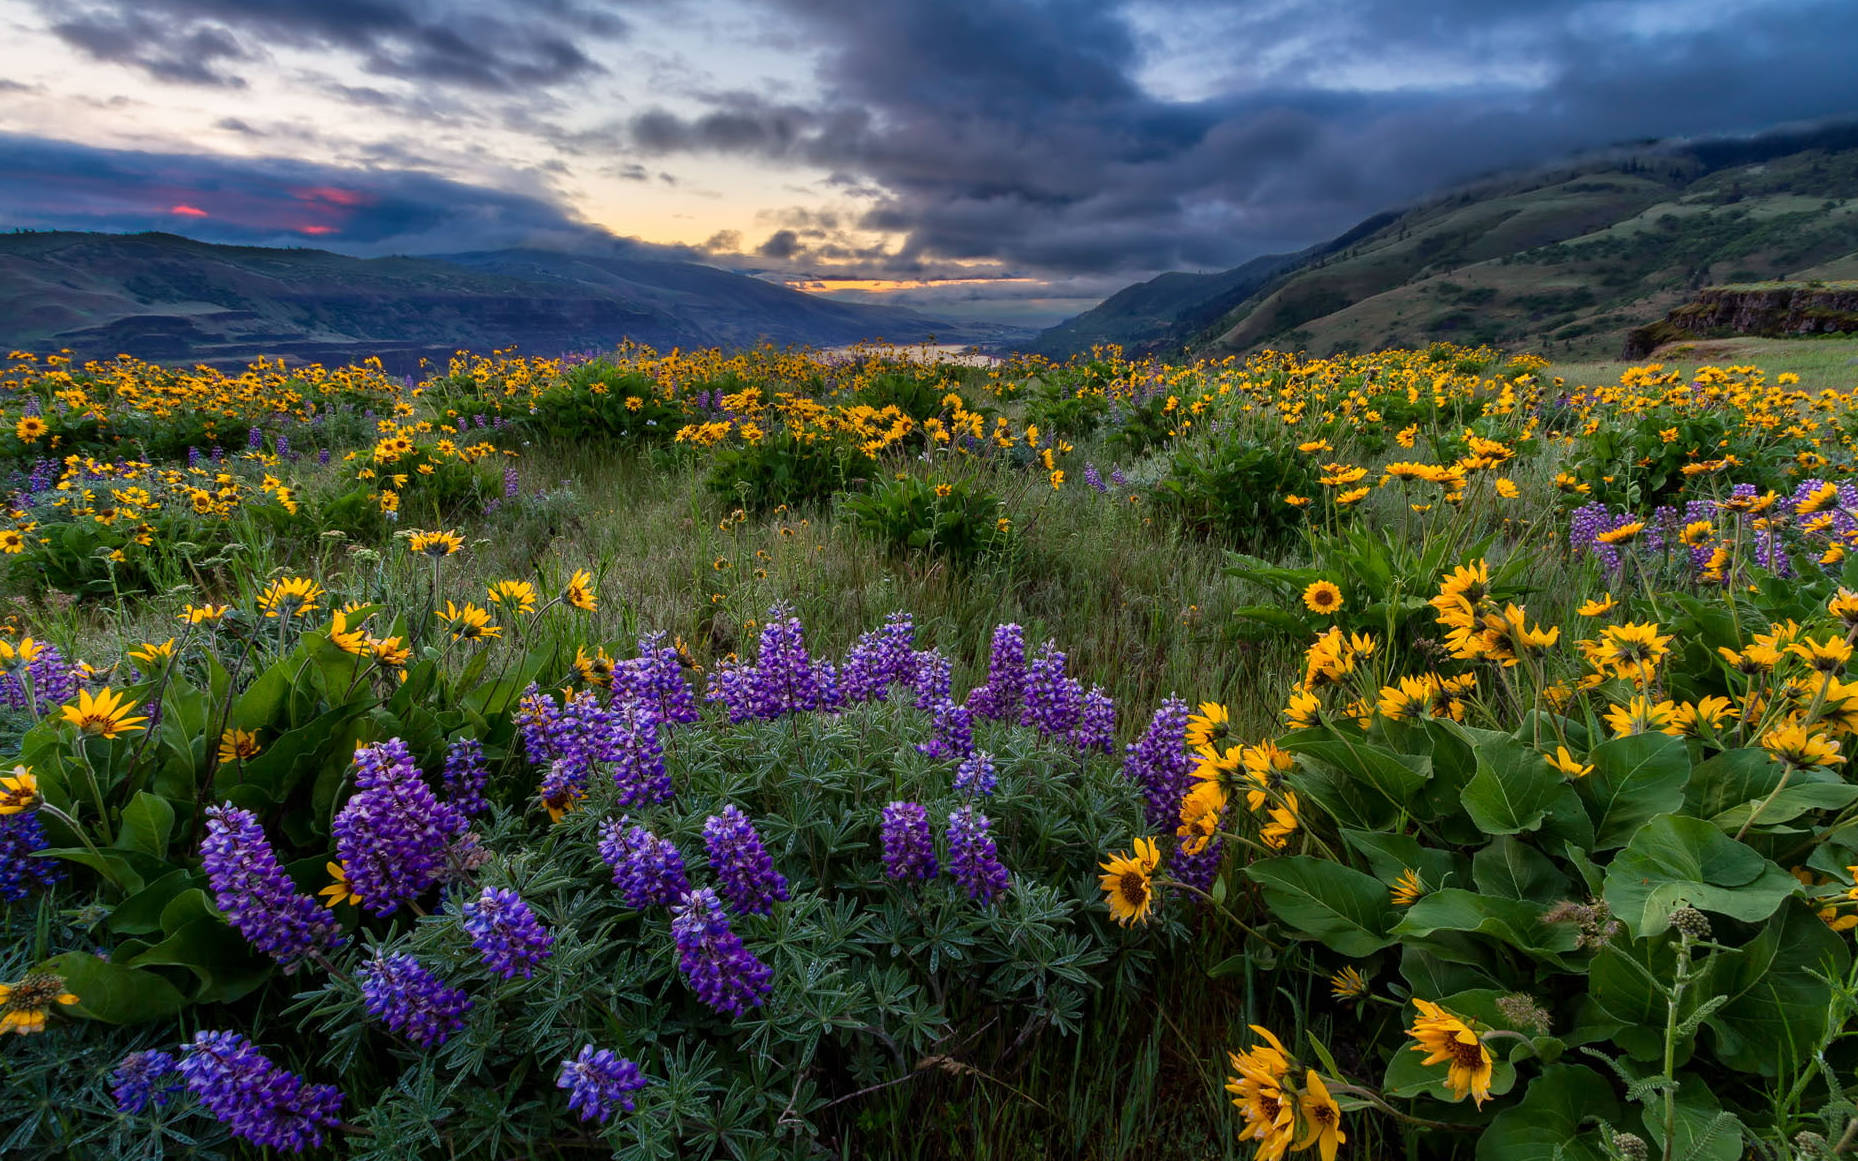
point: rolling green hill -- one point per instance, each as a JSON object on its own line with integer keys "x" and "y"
{"x": 1564, "y": 261}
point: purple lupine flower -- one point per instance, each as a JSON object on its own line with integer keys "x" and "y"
{"x": 142, "y": 1079}
{"x": 723, "y": 973}
{"x": 1096, "y": 728}
{"x": 254, "y": 1098}
{"x": 749, "y": 880}
{"x": 878, "y": 658}
{"x": 788, "y": 680}
{"x": 506, "y": 933}
{"x": 411, "y": 1000}
{"x": 254, "y": 439}
{"x": 975, "y": 776}
{"x": 465, "y": 776}
{"x": 585, "y": 735}
{"x": 1197, "y": 870}
{"x": 656, "y": 678}
{"x": 283, "y": 446}
{"x": 538, "y": 723}
{"x": 1094, "y": 478}
{"x": 512, "y": 483}
{"x": 193, "y": 457}
{"x": 20, "y": 836}
{"x": 646, "y": 869}
{"x": 932, "y": 676}
{"x": 54, "y": 681}
{"x": 999, "y": 700}
{"x": 219, "y": 454}
{"x": 732, "y": 683}
{"x": 255, "y": 895}
{"x": 1054, "y": 702}
{"x": 599, "y": 1082}
{"x": 909, "y": 849}
{"x": 1159, "y": 763}
{"x": 562, "y": 787}
{"x": 322, "y": 457}
{"x": 973, "y": 859}
{"x": 392, "y": 834}
{"x": 1117, "y": 477}
{"x": 951, "y": 732}
{"x": 639, "y": 768}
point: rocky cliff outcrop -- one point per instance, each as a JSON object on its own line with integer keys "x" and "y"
{"x": 1774, "y": 310}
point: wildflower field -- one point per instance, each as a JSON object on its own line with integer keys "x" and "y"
{"x": 779, "y": 755}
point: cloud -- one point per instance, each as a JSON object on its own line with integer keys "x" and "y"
{"x": 506, "y": 46}
{"x": 1058, "y": 135}
{"x": 59, "y": 185}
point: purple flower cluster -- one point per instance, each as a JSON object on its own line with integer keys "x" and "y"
{"x": 646, "y": 869}
{"x": 909, "y": 849}
{"x": 54, "y": 681}
{"x": 1054, "y": 701}
{"x": 1096, "y": 727}
{"x": 392, "y": 835}
{"x": 932, "y": 676}
{"x": 20, "y": 836}
{"x": 599, "y": 1082}
{"x": 564, "y": 785}
{"x": 784, "y": 678}
{"x": 973, "y": 859}
{"x": 1197, "y": 870}
{"x": 254, "y": 1098}
{"x": 465, "y": 777}
{"x": 506, "y": 934}
{"x": 879, "y": 658}
{"x": 749, "y": 881}
{"x": 412, "y": 1001}
{"x": 1094, "y": 478}
{"x": 538, "y": 724}
{"x": 255, "y": 895}
{"x": 142, "y": 1079}
{"x": 975, "y": 776}
{"x": 951, "y": 735}
{"x": 656, "y": 678}
{"x": 717, "y": 967}
{"x": 1159, "y": 763}
{"x": 638, "y": 761}
{"x": 1001, "y": 698}
{"x": 1117, "y": 477}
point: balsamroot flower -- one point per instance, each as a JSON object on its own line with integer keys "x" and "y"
{"x": 1128, "y": 882}
{"x": 599, "y": 1082}
{"x": 973, "y": 859}
{"x": 391, "y": 835}
{"x": 647, "y": 869}
{"x": 412, "y": 1001}
{"x": 1448, "y": 1040}
{"x": 909, "y": 848}
{"x": 25, "y": 1004}
{"x": 710, "y": 954}
{"x": 142, "y": 1079}
{"x": 254, "y": 1098}
{"x": 506, "y": 933}
{"x": 255, "y": 895}
{"x": 749, "y": 881}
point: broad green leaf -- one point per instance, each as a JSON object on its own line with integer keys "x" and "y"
{"x": 1779, "y": 1002}
{"x": 1551, "y": 1122}
{"x": 1513, "y": 789}
{"x": 1674, "y": 860}
{"x": 224, "y": 962}
{"x": 1794, "y": 800}
{"x": 1509, "y": 921}
{"x": 1618, "y": 986}
{"x": 1512, "y": 869}
{"x": 1703, "y": 1131}
{"x": 1731, "y": 778}
{"x": 1429, "y": 974}
{"x": 1633, "y": 779}
{"x": 1397, "y": 777}
{"x": 147, "y": 824}
{"x": 140, "y": 914}
{"x": 115, "y": 993}
{"x": 1390, "y": 854}
{"x": 1348, "y": 911}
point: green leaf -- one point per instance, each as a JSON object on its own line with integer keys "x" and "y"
{"x": 1397, "y": 777}
{"x": 1674, "y": 860}
{"x": 1731, "y": 778}
{"x": 1512, "y": 869}
{"x": 220, "y": 957}
{"x": 115, "y": 993}
{"x": 1793, "y": 800}
{"x": 129, "y": 870}
{"x": 1703, "y": 1131}
{"x": 147, "y": 824}
{"x": 1509, "y": 921}
{"x": 1390, "y": 854}
{"x": 1633, "y": 779}
{"x": 1619, "y": 989}
{"x": 1546, "y": 1125}
{"x": 1345, "y": 909}
{"x": 1779, "y": 1002}
{"x": 1513, "y": 789}
{"x": 140, "y": 914}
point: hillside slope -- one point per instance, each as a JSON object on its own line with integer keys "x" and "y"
{"x": 158, "y": 296}
{"x": 1159, "y": 315}
{"x": 1564, "y": 261}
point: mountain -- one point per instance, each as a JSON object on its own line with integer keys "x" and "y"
{"x": 1566, "y": 260}
{"x": 163, "y": 297}
{"x": 1161, "y": 314}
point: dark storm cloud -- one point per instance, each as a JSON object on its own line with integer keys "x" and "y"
{"x": 1017, "y": 130}
{"x": 58, "y": 185}
{"x": 483, "y": 45}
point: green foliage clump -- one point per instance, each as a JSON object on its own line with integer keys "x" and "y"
{"x": 785, "y": 468}
{"x": 1234, "y": 490}
{"x": 957, "y": 522}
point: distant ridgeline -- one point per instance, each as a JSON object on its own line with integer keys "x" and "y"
{"x": 1564, "y": 261}
{"x": 1772, "y": 309}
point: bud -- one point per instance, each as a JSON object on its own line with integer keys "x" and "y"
{"x": 1630, "y": 1147}
{"x": 1809, "y": 1145}
{"x": 1691, "y": 922}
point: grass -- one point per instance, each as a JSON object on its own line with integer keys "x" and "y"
{"x": 1828, "y": 363}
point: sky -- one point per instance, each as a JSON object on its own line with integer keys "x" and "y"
{"x": 1013, "y": 159}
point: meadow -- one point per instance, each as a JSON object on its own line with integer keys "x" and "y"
{"x": 1430, "y": 753}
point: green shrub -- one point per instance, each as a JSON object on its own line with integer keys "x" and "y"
{"x": 957, "y": 522}
{"x": 786, "y": 469}
{"x": 1234, "y": 490}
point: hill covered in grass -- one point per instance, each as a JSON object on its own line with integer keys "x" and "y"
{"x": 1566, "y": 261}
{"x": 159, "y": 296}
